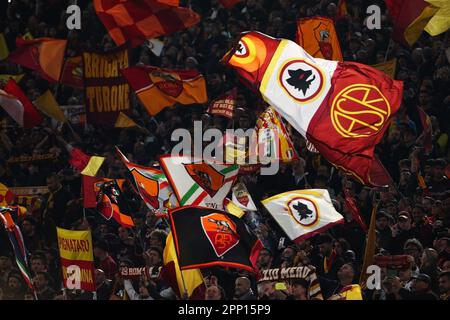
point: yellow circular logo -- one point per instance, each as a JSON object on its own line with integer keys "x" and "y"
{"x": 359, "y": 110}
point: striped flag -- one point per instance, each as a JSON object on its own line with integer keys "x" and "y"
{"x": 152, "y": 185}
{"x": 16, "y": 239}
{"x": 199, "y": 183}
{"x": 138, "y": 20}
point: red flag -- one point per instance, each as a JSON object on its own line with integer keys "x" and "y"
{"x": 72, "y": 74}
{"x": 88, "y": 165}
{"x": 229, "y": 3}
{"x": 350, "y": 203}
{"x": 17, "y": 105}
{"x": 44, "y": 55}
{"x": 409, "y": 18}
{"x": 138, "y": 20}
{"x": 341, "y": 9}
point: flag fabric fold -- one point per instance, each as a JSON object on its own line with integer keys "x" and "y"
{"x": 87, "y": 165}
{"x": 18, "y": 106}
{"x": 342, "y": 108}
{"x": 43, "y": 55}
{"x": 303, "y": 214}
{"x": 206, "y": 237}
{"x": 160, "y": 88}
{"x": 351, "y": 205}
{"x": 48, "y": 105}
{"x": 135, "y": 21}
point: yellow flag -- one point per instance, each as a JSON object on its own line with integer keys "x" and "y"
{"x": 5, "y": 77}
{"x": 232, "y": 208}
{"x": 370, "y": 248}
{"x": 4, "y": 51}
{"x": 352, "y": 292}
{"x": 93, "y": 166}
{"x": 440, "y": 22}
{"x": 186, "y": 280}
{"x": 387, "y": 67}
{"x": 48, "y": 105}
{"x": 123, "y": 121}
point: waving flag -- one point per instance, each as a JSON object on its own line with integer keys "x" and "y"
{"x": 72, "y": 74}
{"x": 109, "y": 200}
{"x": 342, "y": 108}
{"x": 207, "y": 237}
{"x": 87, "y": 165}
{"x": 17, "y": 105}
{"x": 18, "y": 245}
{"x": 440, "y": 21}
{"x": 152, "y": 185}
{"x": 48, "y": 105}
{"x": 199, "y": 183}
{"x": 138, "y": 20}
{"x": 192, "y": 279}
{"x": 160, "y": 88}
{"x": 350, "y": 203}
{"x": 409, "y": 18}
{"x": 43, "y": 55}
{"x": 318, "y": 37}
{"x": 242, "y": 198}
{"x": 303, "y": 214}
{"x": 273, "y": 138}
{"x": 6, "y": 196}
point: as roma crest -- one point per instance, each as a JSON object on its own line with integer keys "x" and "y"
{"x": 303, "y": 211}
{"x": 206, "y": 177}
{"x": 221, "y": 232}
{"x": 167, "y": 83}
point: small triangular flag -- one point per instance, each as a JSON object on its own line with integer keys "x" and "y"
{"x": 123, "y": 121}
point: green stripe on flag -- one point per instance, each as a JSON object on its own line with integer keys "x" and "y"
{"x": 189, "y": 193}
{"x": 229, "y": 169}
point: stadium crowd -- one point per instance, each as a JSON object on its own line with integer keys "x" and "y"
{"x": 411, "y": 219}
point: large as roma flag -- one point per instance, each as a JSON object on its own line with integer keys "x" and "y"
{"x": 304, "y": 213}
{"x": 199, "y": 183}
{"x": 207, "y": 237}
{"x": 107, "y": 92}
{"x": 318, "y": 37}
{"x": 151, "y": 184}
{"x": 160, "y": 88}
{"x": 342, "y": 108}
{"x": 77, "y": 259}
{"x": 44, "y": 55}
{"x": 136, "y": 21}
{"x": 409, "y": 18}
{"x": 17, "y": 105}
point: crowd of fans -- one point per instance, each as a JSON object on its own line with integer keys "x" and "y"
{"x": 411, "y": 219}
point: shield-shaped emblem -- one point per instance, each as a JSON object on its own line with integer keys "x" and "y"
{"x": 221, "y": 232}
{"x": 206, "y": 177}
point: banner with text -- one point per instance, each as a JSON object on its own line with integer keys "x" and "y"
{"x": 107, "y": 92}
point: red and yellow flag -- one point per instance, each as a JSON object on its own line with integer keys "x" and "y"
{"x": 77, "y": 259}
{"x": 135, "y": 21}
{"x": 44, "y": 55}
{"x": 318, "y": 37}
{"x": 87, "y": 165}
{"x": 160, "y": 88}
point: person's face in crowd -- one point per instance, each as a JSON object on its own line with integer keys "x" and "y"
{"x": 413, "y": 251}
{"x": 27, "y": 228}
{"x": 103, "y": 229}
{"x": 325, "y": 248}
{"x": 241, "y": 287}
{"x": 123, "y": 234}
{"x": 424, "y": 97}
{"x": 405, "y": 274}
{"x": 446, "y": 266}
{"x": 264, "y": 259}
{"x": 213, "y": 293}
{"x": 382, "y": 223}
{"x": 420, "y": 286}
{"x": 153, "y": 258}
{"x": 155, "y": 241}
{"x": 427, "y": 204}
{"x": 38, "y": 265}
{"x": 444, "y": 284}
{"x": 40, "y": 282}
{"x": 288, "y": 255}
{"x": 391, "y": 209}
{"x": 418, "y": 215}
{"x": 346, "y": 274}
{"x": 299, "y": 291}
{"x": 438, "y": 172}
{"x": 99, "y": 277}
{"x": 5, "y": 263}
{"x": 404, "y": 224}
{"x": 28, "y": 296}
{"x": 53, "y": 183}
{"x": 13, "y": 284}
{"x": 99, "y": 253}
{"x": 266, "y": 290}
{"x": 244, "y": 122}
{"x": 331, "y": 10}
{"x": 214, "y": 80}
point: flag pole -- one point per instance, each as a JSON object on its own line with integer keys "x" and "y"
{"x": 387, "y": 50}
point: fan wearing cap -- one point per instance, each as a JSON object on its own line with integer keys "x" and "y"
{"x": 330, "y": 261}
{"x": 444, "y": 285}
{"x": 401, "y": 232}
{"x": 421, "y": 288}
